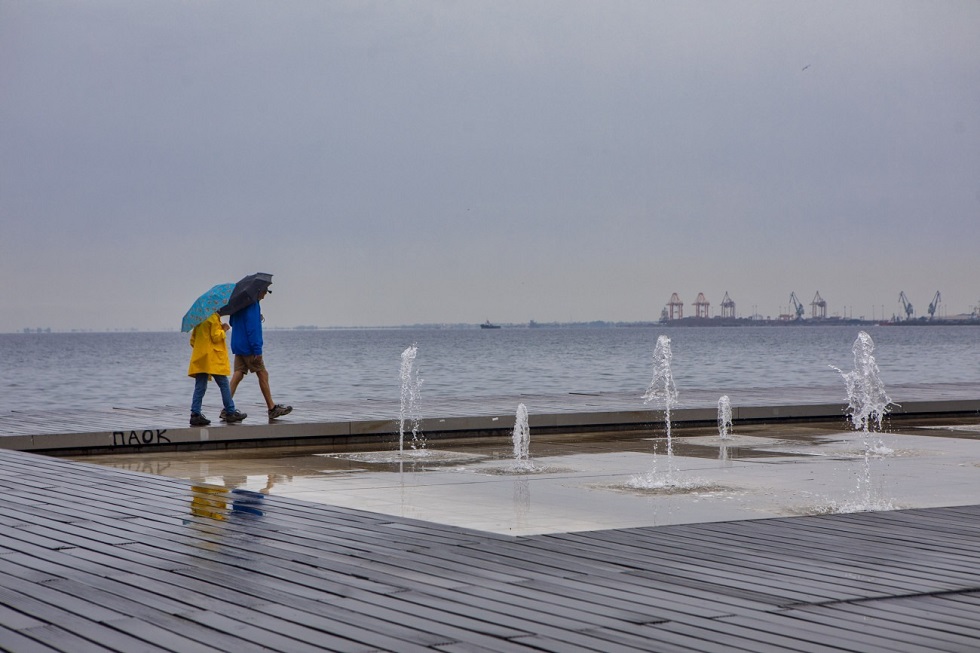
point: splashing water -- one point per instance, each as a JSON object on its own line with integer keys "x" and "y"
{"x": 867, "y": 405}
{"x": 522, "y": 441}
{"x": 867, "y": 400}
{"x": 724, "y": 417}
{"x": 662, "y": 390}
{"x": 410, "y": 411}
{"x": 662, "y": 386}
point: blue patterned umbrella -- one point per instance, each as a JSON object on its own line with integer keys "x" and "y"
{"x": 206, "y": 305}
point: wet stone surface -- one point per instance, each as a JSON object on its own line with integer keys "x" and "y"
{"x": 597, "y": 481}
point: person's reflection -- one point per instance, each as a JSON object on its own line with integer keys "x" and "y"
{"x": 218, "y": 501}
{"x": 209, "y": 501}
{"x": 272, "y": 479}
{"x": 233, "y": 481}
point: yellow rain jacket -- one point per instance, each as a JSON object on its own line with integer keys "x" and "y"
{"x": 210, "y": 354}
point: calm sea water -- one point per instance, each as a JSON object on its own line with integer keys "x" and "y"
{"x": 99, "y": 370}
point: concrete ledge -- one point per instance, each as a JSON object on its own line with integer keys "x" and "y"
{"x": 472, "y": 424}
{"x": 341, "y": 428}
{"x": 374, "y": 427}
{"x": 767, "y": 413}
{"x": 606, "y": 418}
{"x": 68, "y": 441}
{"x": 17, "y": 442}
{"x": 139, "y": 439}
{"x": 929, "y": 407}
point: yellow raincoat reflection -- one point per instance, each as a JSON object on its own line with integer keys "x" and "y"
{"x": 217, "y": 501}
{"x": 209, "y": 501}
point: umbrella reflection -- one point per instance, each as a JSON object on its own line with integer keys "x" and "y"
{"x": 247, "y": 501}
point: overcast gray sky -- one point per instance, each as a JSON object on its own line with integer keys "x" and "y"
{"x": 441, "y": 161}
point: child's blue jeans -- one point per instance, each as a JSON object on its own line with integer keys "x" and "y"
{"x": 201, "y": 386}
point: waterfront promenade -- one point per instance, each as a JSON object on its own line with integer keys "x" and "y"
{"x": 94, "y": 558}
{"x": 129, "y": 428}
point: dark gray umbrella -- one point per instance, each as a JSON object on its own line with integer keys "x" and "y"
{"x": 247, "y": 292}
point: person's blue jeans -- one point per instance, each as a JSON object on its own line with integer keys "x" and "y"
{"x": 201, "y": 386}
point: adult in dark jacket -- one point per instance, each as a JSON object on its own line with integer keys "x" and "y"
{"x": 246, "y": 345}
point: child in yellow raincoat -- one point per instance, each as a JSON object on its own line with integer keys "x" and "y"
{"x": 209, "y": 358}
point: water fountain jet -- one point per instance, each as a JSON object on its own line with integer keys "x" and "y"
{"x": 522, "y": 440}
{"x": 867, "y": 405}
{"x": 724, "y": 417}
{"x": 663, "y": 390}
{"x": 410, "y": 395}
{"x": 662, "y": 386}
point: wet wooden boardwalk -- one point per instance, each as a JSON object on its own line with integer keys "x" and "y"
{"x": 99, "y": 559}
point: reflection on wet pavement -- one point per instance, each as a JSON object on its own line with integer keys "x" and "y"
{"x": 580, "y": 482}
{"x": 218, "y": 501}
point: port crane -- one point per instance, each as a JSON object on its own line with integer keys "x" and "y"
{"x": 907, "y": 305}
{"x": 701, "y": 305}
{"x": 676, "y": 307}
{"x": 797, "y": 305}
{"x": 934, "y": 305}
{"x": 728, "y": 306}
{"x": 818, "y": 307}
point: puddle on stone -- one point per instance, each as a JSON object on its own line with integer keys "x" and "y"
{"x": 341, "y": 472}
{"x": 952, "y": 427}
{"x": 748, "y": 442}
{"x": 519, "y": 471}
{"x": 967, "y": 428}
{"x": 694, "y": 487}
{"x": 582, "y": 480}
{"x": 424, "y": 456}
{"x": 841, "y": 508}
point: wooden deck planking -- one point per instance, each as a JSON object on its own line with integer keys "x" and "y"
{"x": 112, "y": 560}
{"x": 863, "y": 613}
{"x": 806, "y": 633}
{"x": 627, "y": 594}
{"x": 840, "y": 633}
{"x": 941, "y": 614}
{"x": 765, "y": 557}
{"x": 752, "y": 573}
{"x": 823, "y": 543}
{"x": 783, "y": 553}
{"x": 51, "y": 638}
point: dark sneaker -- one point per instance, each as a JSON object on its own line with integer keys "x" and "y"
{"x": 279, "y": 410}
{"x": 233, "y": 417}
{"x": 198, "y": 419}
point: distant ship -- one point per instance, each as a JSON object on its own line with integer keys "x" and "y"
{"x": 487, "y": 325}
